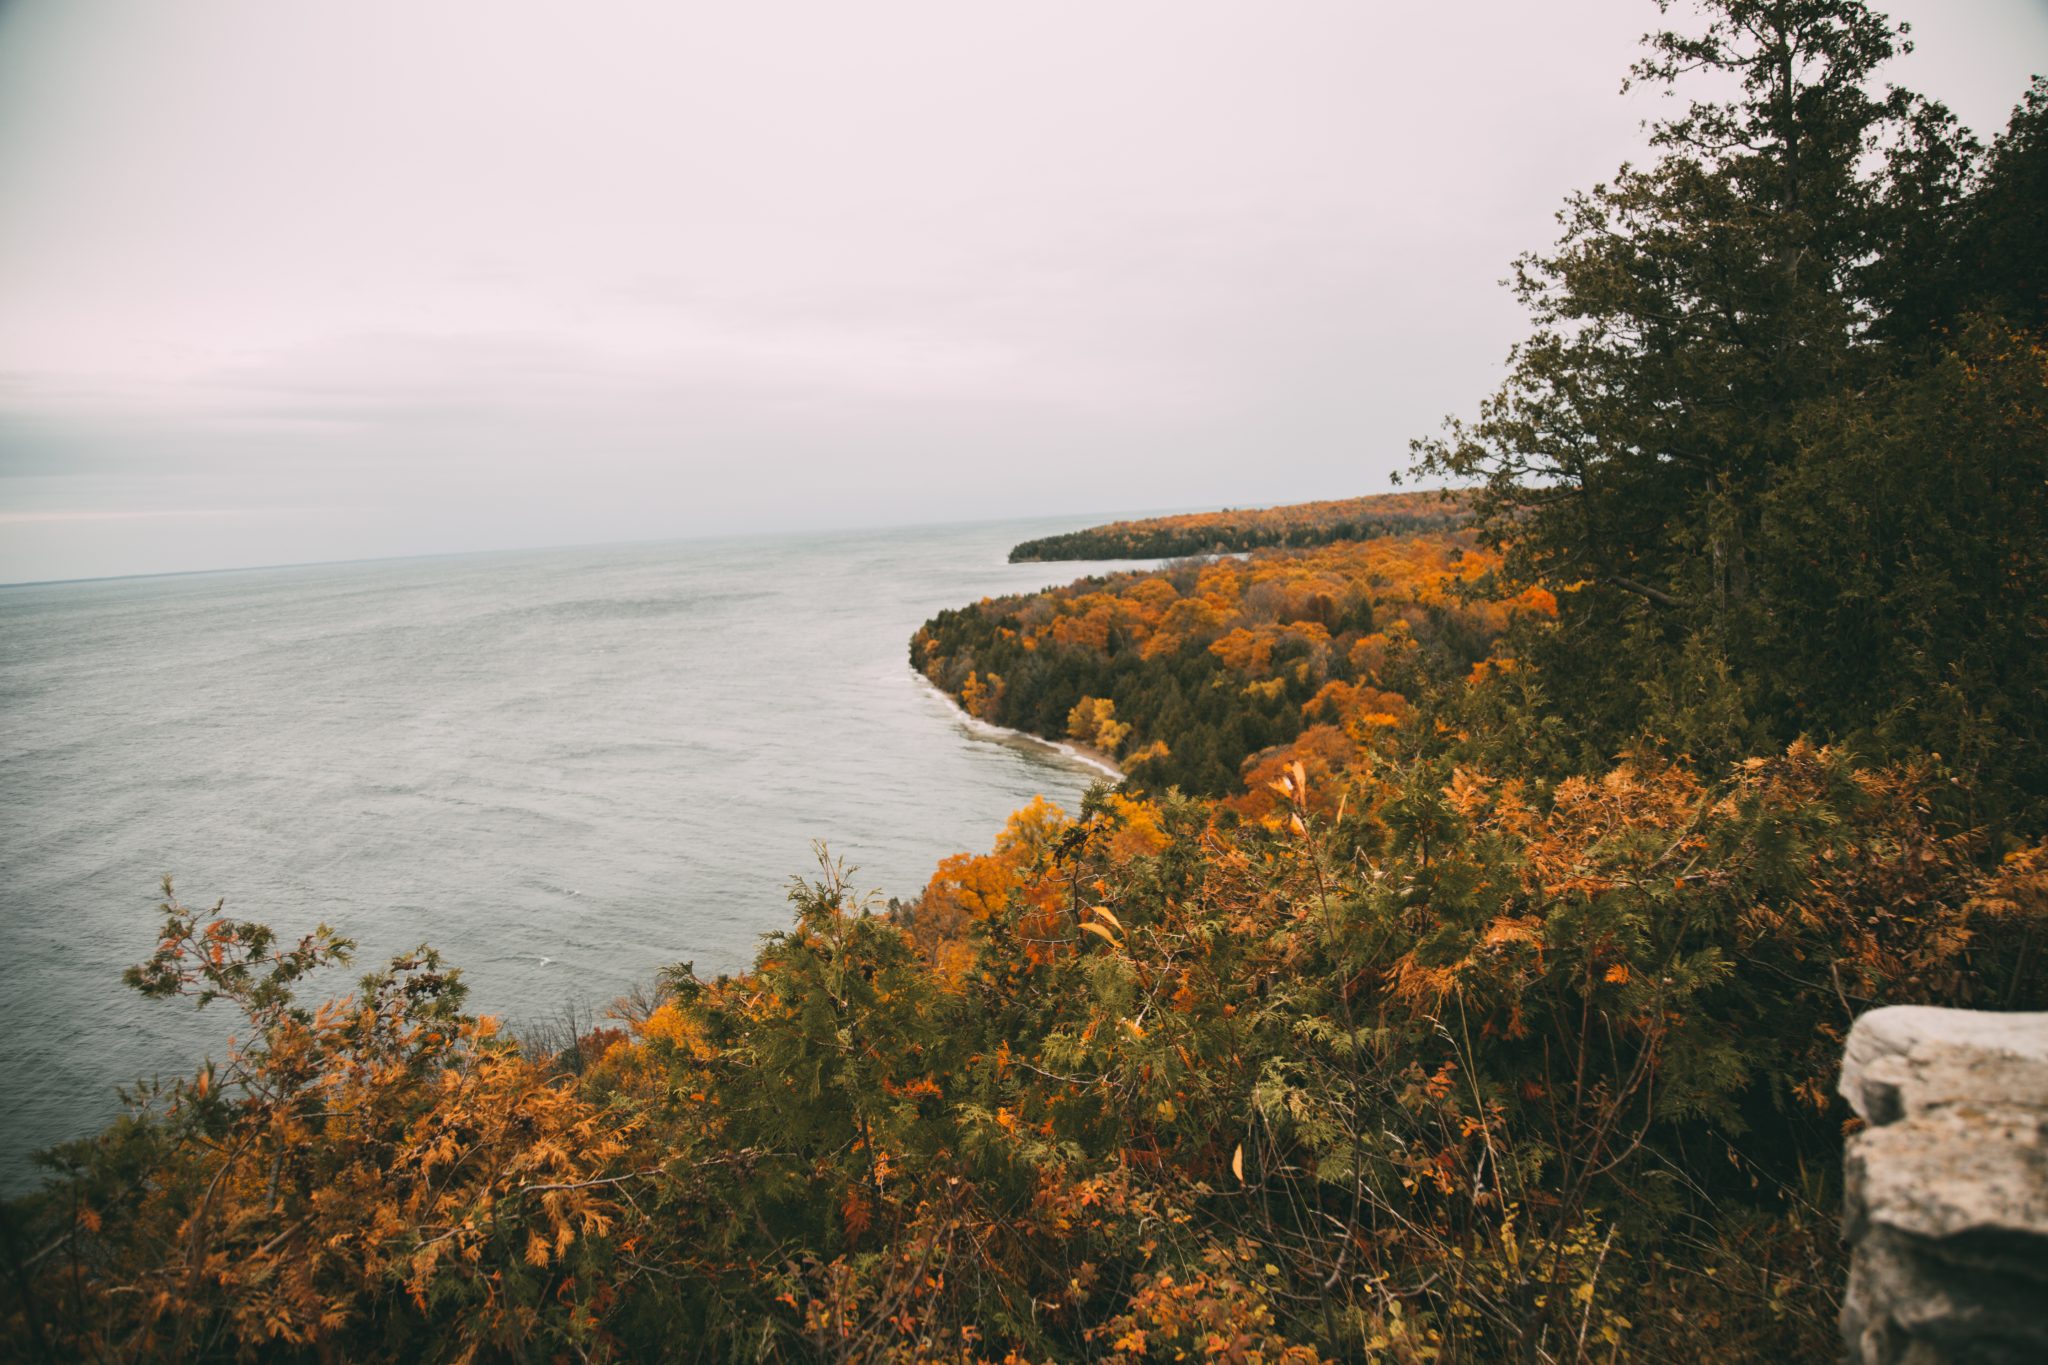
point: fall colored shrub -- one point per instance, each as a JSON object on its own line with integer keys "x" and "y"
{"x": 1430, "y": 1070}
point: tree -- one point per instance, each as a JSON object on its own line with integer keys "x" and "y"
{"x": 1790, "y": 250}
{"x": 2003, "y": 266}
{"x": 1093, "y": 722}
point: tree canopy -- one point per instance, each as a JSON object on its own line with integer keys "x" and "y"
{"x": 1780, "y": 395}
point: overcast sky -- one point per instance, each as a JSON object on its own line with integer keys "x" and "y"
{"x": 284, "y": 280}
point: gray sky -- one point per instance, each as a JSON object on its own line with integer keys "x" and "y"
{"x": 285, "y": 280}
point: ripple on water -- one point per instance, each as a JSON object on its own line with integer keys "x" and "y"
{"x": 562, "y": 768}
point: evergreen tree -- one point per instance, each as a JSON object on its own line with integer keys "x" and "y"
{"x": 1709, "y": 331}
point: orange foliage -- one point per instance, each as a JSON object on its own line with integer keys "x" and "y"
{"x": 1328, "y": 756}
{"x": 1335, "y": 634}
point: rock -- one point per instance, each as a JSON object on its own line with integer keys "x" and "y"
{"x": 1946, "y": 1190}
{"x": 1922, "y": 1046}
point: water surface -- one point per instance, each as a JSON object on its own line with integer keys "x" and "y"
{"x": 563, "y": 768}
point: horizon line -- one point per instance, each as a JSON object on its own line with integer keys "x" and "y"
{"x": 686, "y": 538}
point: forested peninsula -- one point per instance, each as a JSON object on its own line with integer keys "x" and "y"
{"x": 1461, "y": 972}
{"x": 1238, "y": 529}
{"x": 1182, "y": 673}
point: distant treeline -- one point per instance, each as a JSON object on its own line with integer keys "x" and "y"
{"x": 1233, "y": 529}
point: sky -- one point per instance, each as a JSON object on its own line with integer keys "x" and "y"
{"x": 283, "y": 282}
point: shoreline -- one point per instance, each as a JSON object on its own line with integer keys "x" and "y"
{"x": 1084, "y": 754}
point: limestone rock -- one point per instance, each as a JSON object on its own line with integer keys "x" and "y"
{"x": 1946, "y": 1192}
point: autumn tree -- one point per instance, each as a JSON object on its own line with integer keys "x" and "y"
{"x": 1093, "y": 722}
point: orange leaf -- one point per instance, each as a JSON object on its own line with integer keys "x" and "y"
{"x": 1104, "y": 912}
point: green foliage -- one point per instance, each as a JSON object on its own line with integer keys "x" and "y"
{"x": 1907, "y": 559}
{"x": 1763, "y": 441}
{"x": 232, "y": 959}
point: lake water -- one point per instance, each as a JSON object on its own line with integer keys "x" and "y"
{"x": 563, "y": 768}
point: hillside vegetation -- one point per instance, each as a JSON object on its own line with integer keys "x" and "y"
{"x": 1183, "y": 672}
{"x": 1460, "y": 975}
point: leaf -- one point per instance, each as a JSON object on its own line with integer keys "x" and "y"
{"x": 1101, "y": 933}
{"x": 1104, "y": 912}
{"x": 1237, "y": 1163}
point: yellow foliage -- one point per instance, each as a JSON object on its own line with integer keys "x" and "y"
{"x": 670, "y": 1025}
{"x": 1092, "y": 721}
{"x": 1031, "y": 832}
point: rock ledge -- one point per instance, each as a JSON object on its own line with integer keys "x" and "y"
{"x": 1946, "y": 1190}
